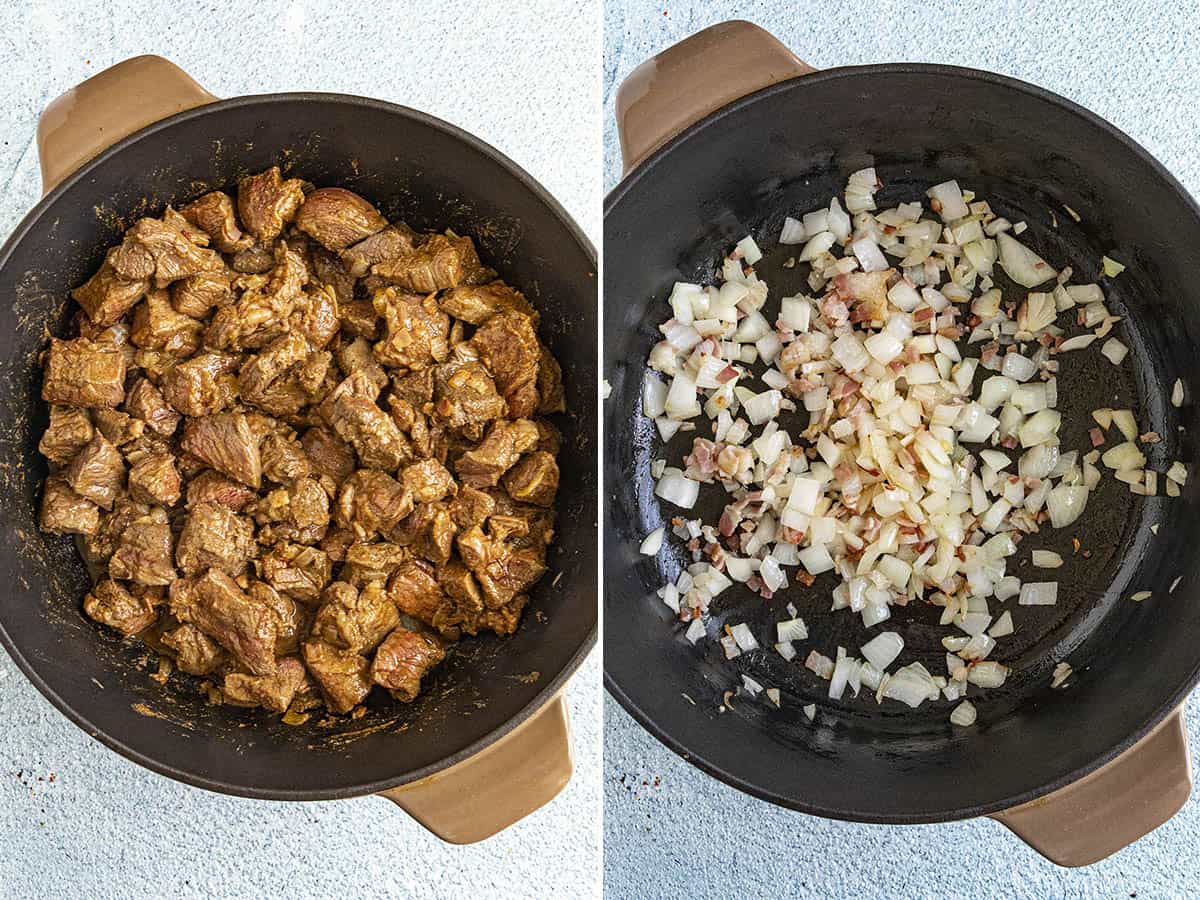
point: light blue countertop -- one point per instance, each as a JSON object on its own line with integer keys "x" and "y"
{"x": 76, "y": 820}
{"x": 672, "y": 831}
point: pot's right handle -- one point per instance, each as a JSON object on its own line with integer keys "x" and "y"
{"x": 700, "y": 74}
{"x": 94, "y": 115}
{"x": 1112, "y": 807}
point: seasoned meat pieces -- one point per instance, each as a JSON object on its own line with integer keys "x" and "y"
{"x": 97, "y": 472}
{"x": 336, "y": 218}
{"x": 502, "y": 446}
{"x": 344, "y": 676}
{"x": 439, "y": 262}
{"x": 508, "y": 346}
{"x": 534, "y": 479}
{"x": 207, "y": 343}
{"x": 109, "y": 603}
{"x": 225, "y": 442}
{"x": 273, "y": 692}
{"x": 214, "y": 537}
{"x": 84, "y": 373}
{"x": 69, "y": 431}
{"x": 195, "y": 652}
{"x": 266, "y": 203}
{"x": 403, "y": 659}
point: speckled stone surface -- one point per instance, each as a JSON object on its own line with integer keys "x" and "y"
{"x": 105, "y": 827}
{"x": 670, "y": 830}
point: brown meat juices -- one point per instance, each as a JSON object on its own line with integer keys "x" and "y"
{"x": 304, "y": 445}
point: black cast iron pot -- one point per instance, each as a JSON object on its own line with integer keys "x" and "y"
{"x": 492, "y": 725}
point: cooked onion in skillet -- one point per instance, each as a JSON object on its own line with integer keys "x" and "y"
{"x": 909, "y": 483}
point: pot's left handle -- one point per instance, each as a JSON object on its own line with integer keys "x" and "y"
{"x": 94, "y": 115}
{"x": 501, "y": 784}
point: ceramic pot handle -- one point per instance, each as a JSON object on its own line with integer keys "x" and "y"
{"x": 1096, "y": 816}
{"x": 94, "y": 115}
{"x": 700, "y": 74}
{"x": 484, "y": 794}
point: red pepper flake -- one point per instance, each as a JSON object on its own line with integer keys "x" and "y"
{"x": 1096, "y": 435}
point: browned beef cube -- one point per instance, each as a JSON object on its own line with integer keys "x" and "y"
{"x": 153, "y": 247}
{"x": 69, "y": 431}
{"x": 436, "y": 541}
{"x": 257, "y": 259}
{"x": 273, "y": 692}
{"x": 102, "y": 543}
{"x": 509, "y": 347}
{"x": 144, "y": 551}
{"x": 275, "y": 359}
{"x": 197, "y": 294}
{"x": 266, "y": 203}
{"x": 344, "y": 677}
{"x": 357, "y": 361}
{"x": 246, "y": 627}
{"x": 337, "y": 542}
{"x": 308, "y": 510}
{"x": 109, "y": 603}
{"x": 463, "y": 606}
{"x": 154, "y": 480}
{"x": 415, "y": 388}
{"x": 415, "y": 591}
{"x": 145, "y": 402}
{"x": 97, "y": 472}
{"x": 371, "y": 502}
{"x": 213, "y": 487}
{"x": 466, "y": 396}
{"x": 415, "y": 330}
{"x": 224, "y": 442}
{"x": 298, "y": 571}
{"x": 283, "y": 457}
{"x": 504, "y": 619}
{"x": 471, "y": 507}
{"x": 402, "y": 661}
{"x": 316, "y": 316}
{"x": 390, "y": 243}
{"x": 476, "y": 303}
{"x": 359, "y": 319}
{"x": 106, "y": 296}
{"x": 214, "y": 537}
{"x": 509, "y": 574}
{"x": 354, "y": 620}
{"x": 374, "y": 435}
{"x": 328, "y": 453}
{"x": 371, "y": 562}
{"x": 291, "y": 619}
{"x": 261, "y": 313}
{"x": 438, "y": 263}
{"x": 336, "y": 218}
{"x": 428, "y": 481}
{"x": 329, "y": 273}
{"x": 501, "y": 448}
{"x": 534, "y": 479}
{"x": 157, "y": 326}
{"x": 203, "y": 385}
{"x": 549, "y": 437}
{"x": 195, "y": 652}
{"x": 84, "y": 373}
{"x": 64, "y": 511}
{"x": 538, "y": 521}
{"x": 551, "y": 397}
{"x": 213, "y": 214}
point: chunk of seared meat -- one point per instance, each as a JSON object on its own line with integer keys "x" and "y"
{"x": 471, "y": 507}
{"x": 328, "y": 453}
{"x": 316, "y": 315}
{"x": 437, "y": 263}
{"x": 146, "y": 402}
{"x": 413, "y": 587}
{"x": 198, "y": 294}
{"x": 501, "y": 570}
{"x": 121, "y": 429}
{"x": 344, "y": 676}
{"x": 266, "y": 203}
{"x": 203, "y": 385}
{"x": 296, "y": 570}
{"x": 154, "y": 480}
{"x": 84, "y": 373}
{"x": 403, "y": 659}
{"x": 144, "y": 551}
{"x": 214, "y": 537}
{"x": 155, "y": 248}
{"x": 109, "y": 603}
{"x": 107, "y": 296}
{"x": 552, "y": 397}
{"x": 509, "y": 347}
{"x": 415, "y": 330}
{"x": 372, "y": 562}
{"x": 214, "y": 215}
{"x": 466, "y": 396}
{"x": 213, "y": 487}
{"x": 428, "y": 481}
{"x": 283, "y": 457}
{"x": 476, "y": 303}
{"x": 292, "y": 619}
{"x": 297, "y": 513}
{"x": 273, "y": 692}
{"x": 97, "y": 472}
{"x": 372, "y": 502}
{"x": 64, "y": 511}
{"x": 354, "y": 620}
{"x": 244, "y": 626}
{"x": 372, "y": 433}
{"x": 158, "y": 326}
{"x": 390, "y": 243}
{"x": 224, "y": 442}
{"x": 69, "y": 431}
{"x": 261, "y": 313}
{"x": 336, "y": 218}
{"x": 534, "y": 479}
{"x": 195, "y": 652}
{"x": 502, "y": 446}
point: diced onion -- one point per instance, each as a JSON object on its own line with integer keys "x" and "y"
{"x": 1039, "y": 593}
{"x": 881, "y": 651}
{"x": 652, "y": 543}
